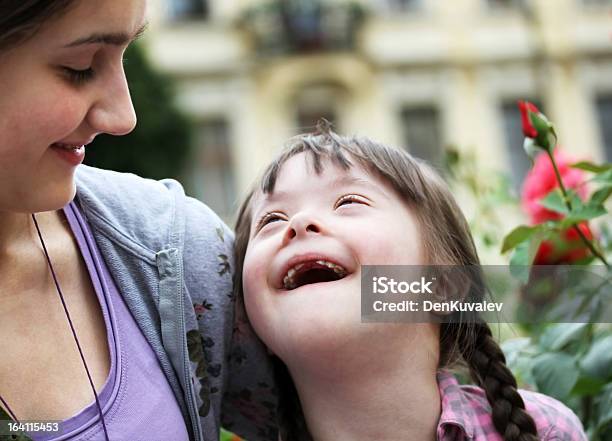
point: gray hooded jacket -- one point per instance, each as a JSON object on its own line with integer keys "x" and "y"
{"x": 171, "y": 258}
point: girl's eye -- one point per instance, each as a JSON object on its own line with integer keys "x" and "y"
{"x": 349, "y": 199}
{"x": 79, "y": 77}
{"x": 268, "y": 218}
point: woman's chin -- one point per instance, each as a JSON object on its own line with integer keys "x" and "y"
{"x": 51, "y": 198}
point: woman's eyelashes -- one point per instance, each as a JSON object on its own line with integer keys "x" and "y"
{"x": 79, "y": 77}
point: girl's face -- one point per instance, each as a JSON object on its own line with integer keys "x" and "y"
{"x": 311, "y": 231}
{"x": 63, "y": 86}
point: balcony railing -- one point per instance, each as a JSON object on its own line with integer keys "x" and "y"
{"x": 283, "y": 27}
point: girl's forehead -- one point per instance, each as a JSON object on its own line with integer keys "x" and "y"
{"x": 297, "y": 176}
{"x": 301, "y": 167}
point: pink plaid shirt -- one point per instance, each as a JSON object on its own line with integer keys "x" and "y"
{"x": 466, "y": 414}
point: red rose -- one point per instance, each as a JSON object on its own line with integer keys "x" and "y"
{"x": 567, "y": 247}
{"x": 526, "y": 108}
{"x": 541, "y": 180}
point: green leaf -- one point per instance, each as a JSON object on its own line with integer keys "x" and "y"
{"x": 587, "y": 212}
{"x": 601, "y": 195}
{"x": 534, "y": 244}
{"x": 519, "y": 354}
{"x": 575, "y": 200}
{"x": 554, "y": 201}
{"x": 555, "y": 374}
{"x": 604, "y": 407}
{"x": 519, "y": 267}
{"x": 514, "y": 346}
{"x": 591, "y": 167}
{"x": 226, "y": 435}
{"x": 556, "y": 337}
{"x": 605, "y": 177}
{"x": 518, "y": 235}
{"x": 597, "y": 362}
{"x": 587, "y": 386}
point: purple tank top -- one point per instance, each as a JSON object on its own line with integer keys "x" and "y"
{"x": 136, "y": 399}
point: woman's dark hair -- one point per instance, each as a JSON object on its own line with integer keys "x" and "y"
{"x": 449, "y": 242}
{"x": 20, "y": 19}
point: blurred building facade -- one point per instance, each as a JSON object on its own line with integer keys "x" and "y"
{"x": 417, "y": 74}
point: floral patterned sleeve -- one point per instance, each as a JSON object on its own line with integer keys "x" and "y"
{"x": 250, "y": 399}
{"x": 232, "y": 368}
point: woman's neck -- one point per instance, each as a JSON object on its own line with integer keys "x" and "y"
{"x": 386, "y": 394}
{"x": 15, "y": 228}
{"x": 22, "y": 262}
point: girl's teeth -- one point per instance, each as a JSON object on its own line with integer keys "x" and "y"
{"x": 289, "y": 283}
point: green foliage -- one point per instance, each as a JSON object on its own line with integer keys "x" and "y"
{"x": 555, "y": 374}
{"x": 228, "y": 436}
{"x": 573, "y": 363}
{"x": 569, "y": 361}
{"x": 517, "y": 236}
{"x": 524, "y": 237}
{"x": 160, "y": 143}
{"x": 489, "y": 190}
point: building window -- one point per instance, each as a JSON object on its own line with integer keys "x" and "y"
{"x": 597, "y": 3}
{"x": 188, "y": 9}
{"x": 513, "y": 134}
{"x": 604, "y": 114}
{"x": 307, "y": 119}
{"x": 212, "y": 172}
{"x": 404, "y": 5}
{"x": 421, "y": 130}
{"x": 318, "y": 100}
{"x": 505, "y": 4}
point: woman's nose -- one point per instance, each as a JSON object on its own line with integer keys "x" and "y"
{"x": 301, "y": 225}
{"x": 113, "y": 112}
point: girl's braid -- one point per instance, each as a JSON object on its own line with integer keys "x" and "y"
{"x": 488, "y": 367}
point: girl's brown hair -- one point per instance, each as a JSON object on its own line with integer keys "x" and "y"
{"x": 449, "y": 242}
{"x": 20, "y": 19}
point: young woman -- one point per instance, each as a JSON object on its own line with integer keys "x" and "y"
{"x": 116, "y": 311}
{"x": 326, "y": 206}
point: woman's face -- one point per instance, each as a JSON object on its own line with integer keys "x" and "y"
{"x": 60, "y": 89}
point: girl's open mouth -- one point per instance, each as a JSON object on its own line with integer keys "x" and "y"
{"x": 315, "y": 271}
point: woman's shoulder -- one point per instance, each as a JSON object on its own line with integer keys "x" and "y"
{"x": 113, "y": 188}
{"x": 152, "y": 213}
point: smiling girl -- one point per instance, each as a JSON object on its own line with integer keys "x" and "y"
{"x": 100, "y": 272}
{"x": 326, "y": 206}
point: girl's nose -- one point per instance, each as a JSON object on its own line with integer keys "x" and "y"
{"x": 301, "y": 225}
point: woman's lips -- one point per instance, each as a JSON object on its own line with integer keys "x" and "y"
{"x": 73, "y": 154}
